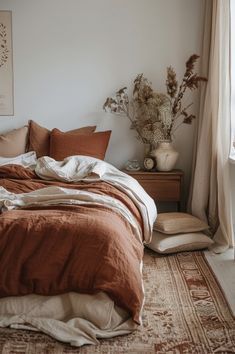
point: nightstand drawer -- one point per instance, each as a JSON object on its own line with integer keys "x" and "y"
{"x": 161, "y": 186}
{"x": 162, "y": 191}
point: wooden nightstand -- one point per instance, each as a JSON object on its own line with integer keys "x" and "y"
{"x": 161, "y": 186}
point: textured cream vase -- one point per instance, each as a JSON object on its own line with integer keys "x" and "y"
{"x": 165, "y": 155}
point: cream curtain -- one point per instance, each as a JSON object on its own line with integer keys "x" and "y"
{"x": 210, "y": 187}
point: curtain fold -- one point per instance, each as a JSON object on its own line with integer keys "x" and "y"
{"x": 210, "y": 193}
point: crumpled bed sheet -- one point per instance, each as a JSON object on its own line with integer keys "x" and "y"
{"x": 75, "y": 318}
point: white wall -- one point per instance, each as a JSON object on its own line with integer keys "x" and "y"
{"x": 69, "y": 55}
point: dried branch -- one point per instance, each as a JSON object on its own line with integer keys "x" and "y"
{"x": 171, "y": 82}
{"x": 156, "y": 116}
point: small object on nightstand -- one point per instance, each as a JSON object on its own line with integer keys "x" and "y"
{"x": 149, "y": 163}
{"x": 132, "y": 165}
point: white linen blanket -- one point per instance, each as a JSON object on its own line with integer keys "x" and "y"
{"x": 27, "y": 160}
{"x": 88, "y": 169}
{"x": 85, "y": 168}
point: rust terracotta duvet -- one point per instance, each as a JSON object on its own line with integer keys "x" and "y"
{"x": 84, "y": 247}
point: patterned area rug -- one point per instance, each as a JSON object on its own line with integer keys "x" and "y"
{"x": 185, "y": 312}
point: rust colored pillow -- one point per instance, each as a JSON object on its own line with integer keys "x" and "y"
{"x": 39, "y": 137}
{"x": 14, "y": 142}
{"x": 67, "y": 144}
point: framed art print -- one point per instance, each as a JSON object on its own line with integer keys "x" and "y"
{"x": 6, "y": 65}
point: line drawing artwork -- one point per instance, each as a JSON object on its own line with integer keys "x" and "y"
{"x": 3, "y": 45}
{"x": 6, "y": 70}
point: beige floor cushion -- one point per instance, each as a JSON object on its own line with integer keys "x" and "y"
{"x": 163, "y": 243}
{"x": 175, "y": 223}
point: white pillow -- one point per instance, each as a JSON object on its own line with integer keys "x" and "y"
{"x": 163, "y": 243}
{"x": 28, "y": 159}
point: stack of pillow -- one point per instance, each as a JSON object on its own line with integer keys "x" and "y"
{"x": 55, "y": 143}
{"x": 176, "y": 232}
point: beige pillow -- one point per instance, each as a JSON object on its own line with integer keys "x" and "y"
{"x": 175, "y": 223}
{"x": 14, "y": 142}
{"x": 162, "y": 243}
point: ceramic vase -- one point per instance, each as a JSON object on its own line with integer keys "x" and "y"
{"x": 165, "y": 155}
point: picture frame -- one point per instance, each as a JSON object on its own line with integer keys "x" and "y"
{"x": 6, "y": 64}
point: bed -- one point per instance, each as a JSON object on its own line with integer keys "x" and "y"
{"x": 71, "y": 247}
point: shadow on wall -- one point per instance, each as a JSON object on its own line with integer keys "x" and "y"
{"x": 123, "y": 144}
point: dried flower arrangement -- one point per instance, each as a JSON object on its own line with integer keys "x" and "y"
{"x": 155, "y": 116}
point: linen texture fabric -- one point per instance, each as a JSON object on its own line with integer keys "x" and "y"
{"x": 14, "y": 142}
{"x": 175, "y": 223}
{"x": 29, "y": 159}
{"x": 39, "y": 137}
{"x": 210, "y": 190}
{"x": 165, "y": 244}
{"x": 79, "y": 237}
{"x": 63, "y": 145}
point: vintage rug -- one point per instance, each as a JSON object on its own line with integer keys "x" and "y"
{"x": 185, "y": 312}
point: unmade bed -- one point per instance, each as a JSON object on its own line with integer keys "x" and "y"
{"x": 71, "y": 247}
